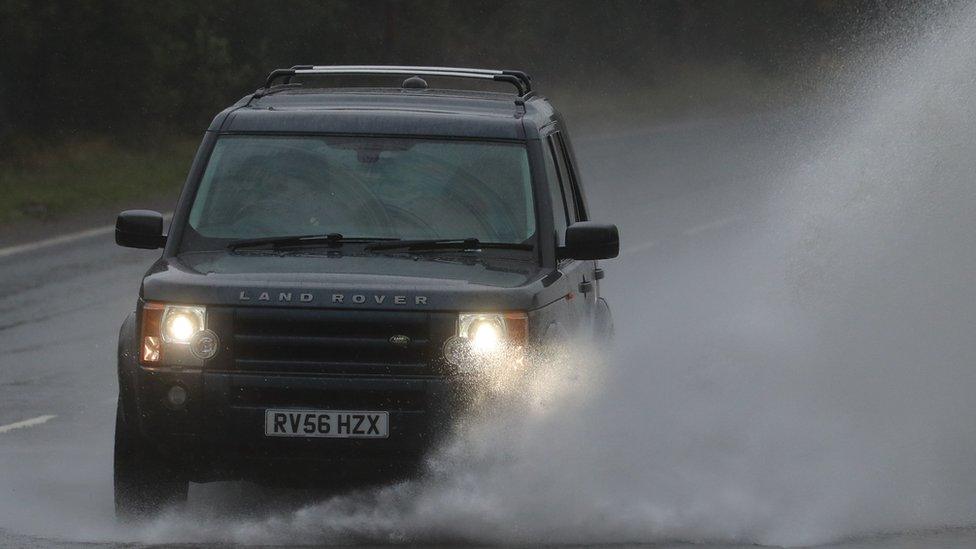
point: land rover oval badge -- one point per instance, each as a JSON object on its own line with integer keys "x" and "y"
{"x": 400, "y": 340}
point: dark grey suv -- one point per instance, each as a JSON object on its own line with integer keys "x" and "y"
{"x": 342, "y": 263}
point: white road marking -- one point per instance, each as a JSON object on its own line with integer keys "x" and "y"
{"x": 64, "y": 239}
{"x": 33, "y": 422}
{"x": 54, "y": 241}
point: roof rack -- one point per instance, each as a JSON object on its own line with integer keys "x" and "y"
{"x": 521, "y": 81}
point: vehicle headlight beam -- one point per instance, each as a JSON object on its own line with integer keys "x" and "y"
{"x": 175, "y": 335}
{"x": 181, "y": 323}
{"x": 487, "y": 337}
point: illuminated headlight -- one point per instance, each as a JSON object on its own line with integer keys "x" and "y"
{"x": 175, "y": 334}
{"x": 485, "y": 333}
{"x": 181, "y": 323}
{"x": 486, "y": 336}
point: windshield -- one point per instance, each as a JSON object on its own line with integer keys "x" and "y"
{"x": 362, "y": 187}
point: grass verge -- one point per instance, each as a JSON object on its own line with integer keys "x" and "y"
{"x": 96, "y": 173}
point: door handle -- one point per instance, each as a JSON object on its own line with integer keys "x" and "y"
{"x": 585, "y": 287}
{"x": 598, "y": 273}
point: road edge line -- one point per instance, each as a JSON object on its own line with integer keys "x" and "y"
{"x": 63, "y": 239}
{"x": 32, "y": 422}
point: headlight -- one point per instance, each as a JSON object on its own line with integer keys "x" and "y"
{"x": 169, "y": 330}
{"x": 181, "y": 323}
{"x": 485, "y": 332}
{"x": 486, "y": 336}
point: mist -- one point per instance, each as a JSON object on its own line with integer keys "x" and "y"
{"x": 794, "y": 357}
{"x": 793, "y": 362}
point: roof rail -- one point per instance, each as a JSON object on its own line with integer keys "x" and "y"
{"x": 521, "y": 81}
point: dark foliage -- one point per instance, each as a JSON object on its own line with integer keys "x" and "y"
{"x": 120, "y": 67}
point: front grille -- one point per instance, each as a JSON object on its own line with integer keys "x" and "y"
{"x": 296, "y": 341}
{"x": 289, "y": 391}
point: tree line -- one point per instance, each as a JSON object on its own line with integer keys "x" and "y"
{"x": 117, "y": 67}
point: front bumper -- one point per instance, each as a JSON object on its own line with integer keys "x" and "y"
{"x": 219, "y": 432}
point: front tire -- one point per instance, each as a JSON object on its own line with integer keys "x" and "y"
{"x": 145, "y": 482}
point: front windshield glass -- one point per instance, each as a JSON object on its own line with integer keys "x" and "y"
{"x": 362, "y": 187}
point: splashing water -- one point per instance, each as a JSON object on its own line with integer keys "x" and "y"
{"x": 796, "y": 351}
{"x": 795, "y": 367}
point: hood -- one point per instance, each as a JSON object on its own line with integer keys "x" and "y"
{"x": 356, "y": 282}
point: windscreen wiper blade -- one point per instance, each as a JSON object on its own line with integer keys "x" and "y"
{"x": 465, "y": 244}
{"x": 296, "y": 241}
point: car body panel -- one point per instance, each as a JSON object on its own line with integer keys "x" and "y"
{"x": 448, "y": 286}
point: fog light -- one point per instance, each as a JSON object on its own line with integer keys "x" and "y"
{"x": 457, "y": 350}
{"x": 177, "y": 396}
{"x": 204, "y": 345}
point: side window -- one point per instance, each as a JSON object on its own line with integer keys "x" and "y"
{"x": 567, "y": 179}
{"x": 572, "y": 185}
{"x": 559, "y": 212}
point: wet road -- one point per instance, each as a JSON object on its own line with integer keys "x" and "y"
{"x": 61, "y": 306}
{"x": 60, "y": 310}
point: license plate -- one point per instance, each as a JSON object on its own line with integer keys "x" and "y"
{"x": 326, "y": 424}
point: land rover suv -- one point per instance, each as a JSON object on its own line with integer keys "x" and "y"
{"x": 342, "y": 264}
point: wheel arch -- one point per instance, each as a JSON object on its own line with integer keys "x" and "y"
{"x": 128, "y": 361}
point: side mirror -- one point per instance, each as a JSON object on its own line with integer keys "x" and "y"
{"x": 589, "y": 240}
{"x": 140, "y": 229}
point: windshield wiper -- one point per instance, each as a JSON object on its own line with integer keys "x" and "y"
{"x": 465, "y": 244}
{"x": 297, "y": 241}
